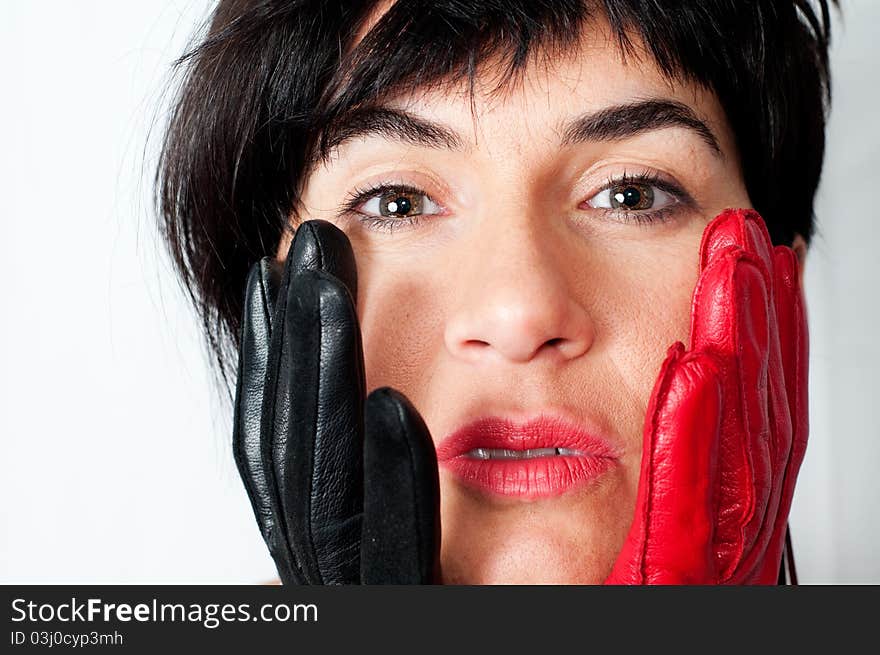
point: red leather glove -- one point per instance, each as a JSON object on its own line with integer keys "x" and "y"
{"x": 726, "y": 426}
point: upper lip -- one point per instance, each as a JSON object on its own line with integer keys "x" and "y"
{"x": 544, "y": 430}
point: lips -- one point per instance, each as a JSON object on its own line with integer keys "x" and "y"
{"x": 542, "y": 457}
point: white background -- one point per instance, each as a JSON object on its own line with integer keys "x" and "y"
{"x": 115, "y": 464}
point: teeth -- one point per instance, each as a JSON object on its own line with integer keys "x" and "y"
{"x": 503, "y": 453}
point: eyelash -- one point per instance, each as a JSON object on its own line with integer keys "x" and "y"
{"x": 359, "y": 195}
{"x": 647, "y": 217}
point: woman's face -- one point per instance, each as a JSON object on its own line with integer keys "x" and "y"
{"x": 538, "y": 261}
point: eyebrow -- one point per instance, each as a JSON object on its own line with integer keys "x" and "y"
{"x": 392, "y": 124}
{"x": 613, "y": 123}
{"x": 623, "y": 121}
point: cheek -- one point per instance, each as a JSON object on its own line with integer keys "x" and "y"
{"x": 401, "y": 322}
{"x": 649, "y": 306}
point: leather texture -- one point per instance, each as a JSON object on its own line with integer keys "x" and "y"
{"x": 726, "y": 427}
{"x": 345, "y": 488}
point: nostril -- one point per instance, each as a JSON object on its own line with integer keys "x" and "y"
{"x": 475, "y": 343}
{"x": 473, "y": 349}
{"x": 555, "y": 342}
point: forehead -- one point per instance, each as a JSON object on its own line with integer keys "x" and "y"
{"x": 552, "y": 87}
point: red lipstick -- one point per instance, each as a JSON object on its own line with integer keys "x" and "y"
{"x": 542, "y": 457}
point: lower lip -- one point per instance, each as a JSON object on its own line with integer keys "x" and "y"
{"x": 537, "y": 477}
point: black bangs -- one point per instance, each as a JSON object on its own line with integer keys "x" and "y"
{"x": 416, "y": 43}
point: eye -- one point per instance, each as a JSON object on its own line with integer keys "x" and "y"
{"x": 396, "y": 202}
{"x": 632, "y": 196}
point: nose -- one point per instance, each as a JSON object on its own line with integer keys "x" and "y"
{"x": 515, "y": 300}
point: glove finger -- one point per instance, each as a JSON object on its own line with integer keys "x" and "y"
{"x": 730, "y": 319}
{"x": 758, "y": 565}
{"x": 794, "y": 353}
{"x": 794, "y": 343}
{"x": 629, "y": 568}
{"x": 755, "y": 352}
{"x": 401, "y": 531}
{"x": 670, "y": 540}
{"x": 253, "y": 360}
{"x": 743, "y": 228}
{"x": 317, "y": 245}
{"x": 319, "y": 464}
{"x": 321, "y": 246}
{"x": 685, "y": 443}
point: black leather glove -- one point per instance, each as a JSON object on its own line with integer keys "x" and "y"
{"x": 345, "y": 491}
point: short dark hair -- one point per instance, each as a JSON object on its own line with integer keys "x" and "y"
{"x": 270, "y": 75}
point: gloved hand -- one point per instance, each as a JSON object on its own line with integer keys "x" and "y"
{"x": 345, "y": 491}
{"x": 726, "y": 426}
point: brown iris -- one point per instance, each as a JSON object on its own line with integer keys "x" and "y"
{"x": 632, "y": 196}
{"x": 397, "y": 203}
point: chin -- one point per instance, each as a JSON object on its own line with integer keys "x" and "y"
{"x": 518, "y": 563}
{"x": 573, "y": 539}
